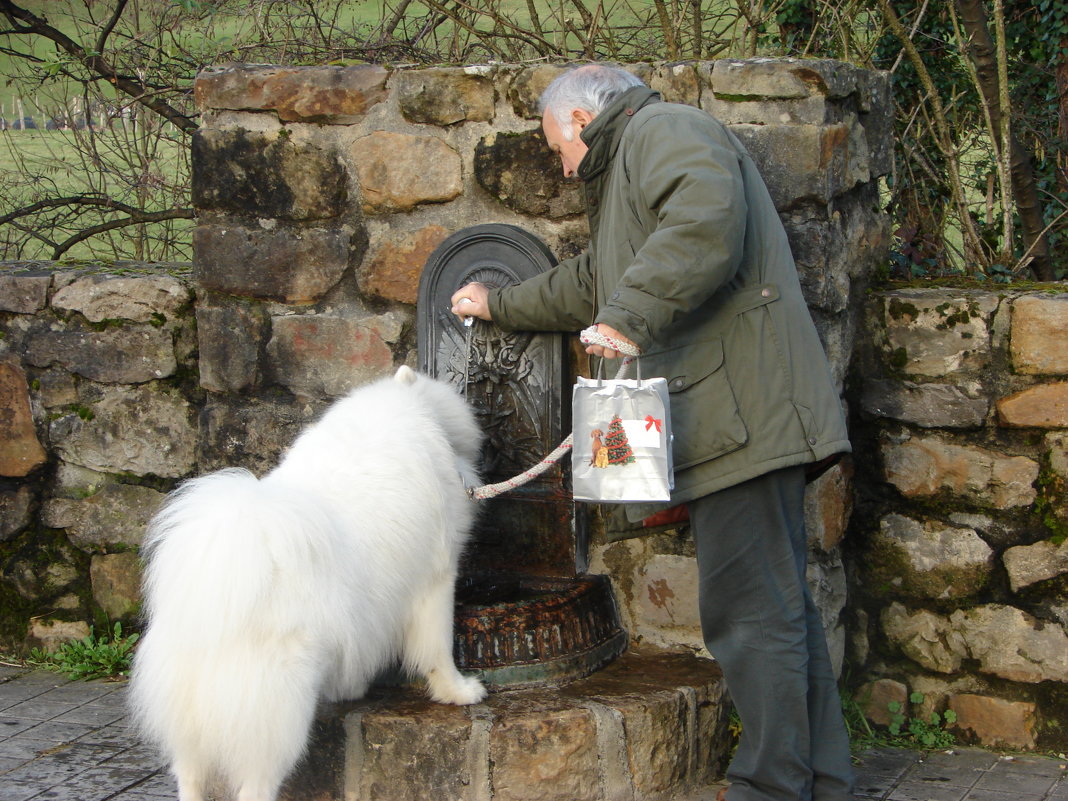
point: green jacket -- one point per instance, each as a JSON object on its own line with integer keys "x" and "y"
{"x": 689, "y": 259}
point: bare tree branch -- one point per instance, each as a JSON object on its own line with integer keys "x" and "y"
{"x": 98, "y": 201}
{"x": 105, "y": 32}
{"x": 111, "y": 225}
{"x": 95, "y": 63}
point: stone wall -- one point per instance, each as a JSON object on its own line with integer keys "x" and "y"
{"x": 98, "y": 415}
{"x": 320, "y": 193}
{"x": 959, "y": 554}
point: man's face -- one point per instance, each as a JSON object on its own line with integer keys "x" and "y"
{"x": 570, "y": 153}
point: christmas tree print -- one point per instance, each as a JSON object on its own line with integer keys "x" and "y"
{"x": 615, "y": 441}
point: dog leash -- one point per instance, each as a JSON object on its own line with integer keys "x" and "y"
{"x": 588, "y": 336}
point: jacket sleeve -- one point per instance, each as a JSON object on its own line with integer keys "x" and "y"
{"x": 560, "y": 299}
{"x": 685, "y": 178}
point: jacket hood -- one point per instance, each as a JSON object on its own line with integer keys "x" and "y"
{"x": 603, "y": 134}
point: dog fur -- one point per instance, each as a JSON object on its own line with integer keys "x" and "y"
{"x": 264, "y": 595}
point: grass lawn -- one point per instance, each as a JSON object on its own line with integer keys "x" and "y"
{"x": 35, "y": 165}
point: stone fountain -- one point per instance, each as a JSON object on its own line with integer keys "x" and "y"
{"x": 525, "y": 616}
{"x": 570, "y": 716}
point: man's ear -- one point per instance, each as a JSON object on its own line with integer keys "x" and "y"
{"x": 581, "y": 117}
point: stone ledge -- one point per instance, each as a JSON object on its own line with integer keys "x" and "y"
{"x": 649, "y": 727}
{"x": 335, "y": 95}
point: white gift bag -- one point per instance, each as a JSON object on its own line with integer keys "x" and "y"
{"x": 622, "y": 445}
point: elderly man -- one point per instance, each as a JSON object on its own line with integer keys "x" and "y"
{"x": 689, "y": 261}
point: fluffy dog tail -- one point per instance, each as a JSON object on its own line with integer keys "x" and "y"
{"x": 226, "y": 677}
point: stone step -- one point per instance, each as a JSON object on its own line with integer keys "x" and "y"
{"x": 652, "y": 726}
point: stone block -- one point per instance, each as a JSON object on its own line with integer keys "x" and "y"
{"x": 875, "y": 100}
{"x": 807, "y": 163}
{"x": 810, "y": 110}
{"x": 1039, "y": 325}
{"x": 1011, "y": 644}
{"x": 261, "y": 175}
{"x": 445, "y": 95}
{"x": 676, "y": 83}
{"x": 24, "y": 291}
{"x": 815, "y": 239}
{"x": 289, "y": 265}
{"x": 20, "y": 451}
{"x": 16, "y": 511}
{"x": 527, "y": 87}
{"x": 332, "y": 95}
{"x": 826, "y": 578}
{"x": 936, "y": 333}
{"x": 1040, "y": 406}
{"x": 996, "y": 722}
{"x": 924, "y": 405}
{"x": 399, "y": 171}
{"x": 432, "y": 746}
{"x": 921, "y": 467}
{"x": 43, "y": 568}
{"x": 589, "y": 740}
{"x": 250, "y": 433}
{"x": 658, "y": 729}
{"x": 319, "y": 355}
{"x": 875, "y": 697}
{"x": 232, "y": 336}
{"x": 520, "y": 171}
{"x": 50, "y": 635}
{"x": 144, "y": 430}
{"x": 829, "y": 505}
{"x": 1055, "y": 487}
{"x": 395, "y": 264}
{"x": 666, "y": 596}
{"x": 924, "y": 637}
{"x": 1057, "y": 445}
{"x": 937, "y": 689}
{"x": 116, "y": 515}
{"x": 129, "y": 354}
{"x": 712, "y": 744}
{"x": 141, "y": 299}
{"x": 1029, "y": 564}
{"x": 55, "y": 387}
{"x": 782, "y": 78}
{"x": 116, "y": 583}
{"x": 910, "y": 558}
{"x": 539, "y": 757}
{"x": 834, "y": 247}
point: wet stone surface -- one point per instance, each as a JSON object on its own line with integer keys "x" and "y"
{"x": 70, "y": 741}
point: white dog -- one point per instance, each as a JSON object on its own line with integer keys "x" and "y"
{"x": 264, "y": 595}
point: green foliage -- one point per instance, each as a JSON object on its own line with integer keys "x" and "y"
{"x": 913, "y": 732}
{"x": 930, "y": 220}
{"x": 862, "y": 735}
{"x": 92, "y": 657}
{"x": 903, "y": 732}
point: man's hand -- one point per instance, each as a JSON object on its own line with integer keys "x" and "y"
{"x": 608, "y": 353}
{"x": 471, "y": 301}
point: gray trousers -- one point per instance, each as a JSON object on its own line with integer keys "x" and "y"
{"x": 759, "y": 622}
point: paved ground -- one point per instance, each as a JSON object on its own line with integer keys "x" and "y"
{"x": 68, "y": 741}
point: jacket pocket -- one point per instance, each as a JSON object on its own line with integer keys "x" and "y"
{"x": 705, "y": 420}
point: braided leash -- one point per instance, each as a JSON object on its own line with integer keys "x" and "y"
{"x": 589, "y": 336}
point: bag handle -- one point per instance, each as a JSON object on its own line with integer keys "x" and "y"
{"x": 591, "y": 336}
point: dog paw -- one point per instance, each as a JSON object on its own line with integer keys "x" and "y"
{"x": 462, "y": 691}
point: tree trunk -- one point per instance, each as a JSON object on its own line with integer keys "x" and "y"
{"x": 1024, "y": 188}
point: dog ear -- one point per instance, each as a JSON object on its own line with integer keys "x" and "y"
{"x": 405, "y": 375}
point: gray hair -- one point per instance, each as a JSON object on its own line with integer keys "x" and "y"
{"x": 591, "y": 87}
